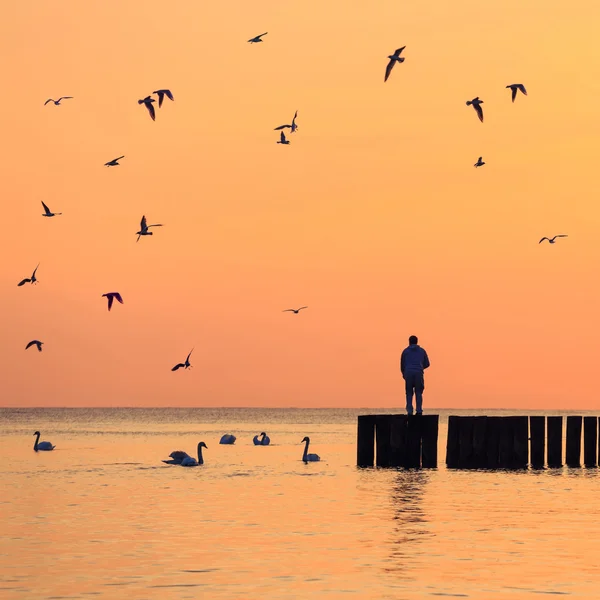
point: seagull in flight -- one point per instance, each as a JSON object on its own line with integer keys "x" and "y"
{"x": 394, "y": 58}
{"x": 516, "y": 87}
{"x": 48, "y": 212}
{"x": 115, "y": 161}
{"x": 147, "y": 102}
{"x": 257, "y": 39}
{"x": 479, "y": 162}
{"x": 31, "y": 279}
{"x": 294, "y": 310}
{"x": 162, "y": 94}
{"x": 476, "y": 103}
{"x": 283, "y": 140}
{"x": 292, "y": 127}
{"x": 112, "y": 296}
{"x": 552, "y": 240}
{"x": 34, "y": 343}
{"x": 144, "y": 228}
{"x": 186, "y": 364}
{"x": 57, "y": 102}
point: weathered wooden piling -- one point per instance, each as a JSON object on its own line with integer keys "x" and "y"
{"x": 573, "y": 454}
{"x": 365, "y": 446}
{"x": 537, "y": 431}
{"x": 555, "y": 429}
{"x": 590, "y": 441}
{"x": 453, "y": 442}
{"x": 399, "y": 441}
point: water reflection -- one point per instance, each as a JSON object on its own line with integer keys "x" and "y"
{"x": 409, "y": 519}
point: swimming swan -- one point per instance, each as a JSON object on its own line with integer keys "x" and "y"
{"x": 41, "y": 445}
{"x": 176, "y": 457}
{"x": 228, "y": 439}
{"x": 188, "y": 461}
{"x": 264, "y": 441}
{"x": 306, "y": 457}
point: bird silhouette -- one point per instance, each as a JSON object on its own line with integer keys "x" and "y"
{"x": 516, "y": 87}
{"x": 31, "y": 279}
{"x": 394, "y": 58}
{"x": 282, "y": 139}
{"x": 186, "y": 364}
{"x": 112, "y": 296}
{"x": 256, "y": 38}
{"x": 293, "y": 127}
{"x": 479, "y": 162}
{"x": 476, "y": 103}
{"x": 294, "y": 310}
{"x": 147, "y": 102}
{"x": 115, "y": 161}
{"x": 34, "y": 343}
{"x": 161, "y": 96}
{"x": 57, "y": 102}
{"x": 552, "y": 240}
{"x": 48, "y": 212}
{"x": 144, "y": 228}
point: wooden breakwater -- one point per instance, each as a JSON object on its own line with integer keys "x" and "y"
{"x": 478, "y": 442}
{"x": 400, "y": 441}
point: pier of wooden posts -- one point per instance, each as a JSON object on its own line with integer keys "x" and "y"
{"x": 513, "y": 442}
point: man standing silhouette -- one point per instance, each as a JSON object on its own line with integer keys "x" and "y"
{"x": 413, "y": 362}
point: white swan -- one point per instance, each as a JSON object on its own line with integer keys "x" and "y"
{"x": 228, "y": 439}
{"x": 41, "y": 445}
{"x": 188, "y": 461}
{"x": 264, "y": 439}
{"x": 306, "y": 457}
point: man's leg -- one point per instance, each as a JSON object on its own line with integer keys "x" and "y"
{"x": 409, "y": 384}
{"x": 419, "y": 387}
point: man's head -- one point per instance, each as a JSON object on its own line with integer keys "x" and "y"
{"x": 413, "y": 339}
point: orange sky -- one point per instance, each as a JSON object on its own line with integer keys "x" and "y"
{"x": 373, "y": 216}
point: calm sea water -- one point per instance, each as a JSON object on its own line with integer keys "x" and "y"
{"x": 102, "y": 516}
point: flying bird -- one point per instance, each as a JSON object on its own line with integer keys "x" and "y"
{"x": 31, "y": 279}
{"x": 57, "y": 102}
{"x": 283, "y": 140}
{"x": 112, "y": 296}
{"x": 552, "y": 240}
{"x": 479, "y": 162}
{"x": 294, "y": 310}
{"x": 48, "y": 212}
{"x": 186, "y": 364}
{"x": 144, "y": 228}
{"x": 257, "y": 39}
{"x": 292, "y": 127}
{"x": 34, "y": 343}
{"x": 476, "y": 103}
{"x": 394, "y": 58}
{"x": 515, "y": 87}
{"x": 162, "y": 94}
{"x": 147, "y": 102}
{"x": 115, "y": 161}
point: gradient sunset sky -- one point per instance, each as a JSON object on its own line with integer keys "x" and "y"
{"x": 373, "y": 216}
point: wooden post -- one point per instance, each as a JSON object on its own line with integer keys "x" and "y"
{"x": 506, "y": 443}
{"x": 520, "y": 427}
{"x": 429, "y": 440}
{"x": 555, "y": 429}
{"x": 492, "y": 442}
{"x": 590, "y": 441}
{"x": 383, "y": 439}
{"x": 465, "y": 452}
{"x": 537, "y": 427}
{"x": 413, "y": 454}
{"x": 479, "y": 442}
{"x": 366, "y": 441}
{"x": 573, "y": 441}
{"x": 453, "y": 444}
{"x": 398, "y": 439}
